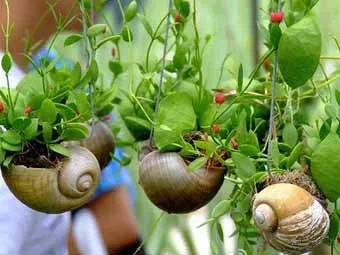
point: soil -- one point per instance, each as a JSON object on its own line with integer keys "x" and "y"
{"x": 37, "y": 155}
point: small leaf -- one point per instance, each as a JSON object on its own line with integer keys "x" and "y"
{"x": 290, "y": 134}
{"x": 96, "y": 29}
{"x": 197, "y": 164}
{"x": 131, "y": 11}
{"x": 70, "y": 134}
{"x": 245, "y": 168}
{"x": 94, "y": 71}
{"x": 32, "y": 130}
{"x": 275, "y": 153}
{"x": 337, "y": 96}
{"x": 331, "y": 110}
{"x": 220, "y": 231}
{"x": 8, "y": 160}
{"x": 127, "y": 34}
{"x": 221, "y": 209}
{"x": 333, "y": 226}
{"x": 2, "y": 155}
{"x": 294, "y": 155}
{"x": 6, "y": 62}
{"x": 47, "y": 131}
{"x": 240, "y": 79}
{"x": 185, "y": 8}
{"x": 275, "y": 34}
{"x": 249, "y": 150}
{"x": 72, "y": 39}
{"x": 21, "y": 123}
{"x": 115, "y": 67}
{"x": 58, "y": 148}
{"x": 12, "y": 136}
{"x": 48, "y": 111}
{"x": 11, "y": 147}
{"x": 146, "y": 24}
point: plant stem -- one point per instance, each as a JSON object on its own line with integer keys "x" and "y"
{"x": 162, "y": 70}
{"x": 330, "y": 58}
{"x": 251, "y": 78}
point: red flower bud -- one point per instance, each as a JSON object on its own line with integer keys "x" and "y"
{"x": 219, "y": 98}
{"x": 216, "y": 128}
{"x": 2, "y": 106}
{"x": 178, "y": 18}
{"x": 276, "y": 17}
{"x": 234, "y": 143}
{"x": 28, "y": 110}
{"x": 107, "y": 117}
{"x": 113, "y": 52}
{"x": 266, "y": 64}
{"x": 338, "y": 239}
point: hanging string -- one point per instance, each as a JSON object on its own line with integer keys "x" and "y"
{"x": 272, "y": 104}
{"x": 158, "y": 98}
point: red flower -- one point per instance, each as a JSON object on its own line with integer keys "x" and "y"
{"x": 28, "y": 110}
{"x": 266, "y": 64}
{"x": 338, "y": 239}
{"x": 219, "y": 98}
{"x": 216, "y": 128}
{"x": 234, "y": 143}
{"x": 2, "y": 107}
{"x": 276, "y": 17}
{"x": 178, "y": 18}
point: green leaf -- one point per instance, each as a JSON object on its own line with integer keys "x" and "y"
{"x": 94, "y": 71}
{"x": 299, "y": 51}
{"x": 146, "y": 24}
{"x": 58, "y": 148}
{"x": 333, "y": 226}
{"x": 2, "y": 155}
{"x": 337, "y": 96}
{"x": 11, "y": 136}
{"x": 290, "y": 134}
{"x": 221, "y": 209}
{"x": 83, "y": 106}
{"x": 47, "y": 131}
{"x": 176, "y": 112}
{"x": 208, "y": 146}
{"x": 294, "y": 155}
{"x": 275, "y": 34}
{"x": 48, "y": 111}
{"x": 127, "y": 34}
{"x": 6, "y": 62}
{"x": 179, "y": 58}
{"x": 331, "y": 110}
{"x": 79, "y": 125}
{"x": 240, "y": 79}
{"x": 131, "y": 11}
{"x": 197, "y": 164}
{"x": 245, "y": 168}
{"x": 325, "y": 166}
{"x": 185, "y": 8}
{"x": 70, "y": 134}
{"x": 111, "y": 38}
{"x": 275, "y": 153}
{"x": 96, "y": 29}
{"x": 21, "y": 123}
{"x": 8, "y": 160}
{"x": 72, "y": 39}
{"x": 220, "y": 231}
{"x": 32, "y": 130}
{"x": 65, "y": 111}
{"x": 10, "y": 147}
{"x": 115, "y": 67}
{"x": 139, "y": 128}
{"x": 249, "y": 150}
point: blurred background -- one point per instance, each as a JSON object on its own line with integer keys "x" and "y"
{"x": 231, "y": 25}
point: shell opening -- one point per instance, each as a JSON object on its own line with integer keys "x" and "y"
{"x": 265, "y": 217}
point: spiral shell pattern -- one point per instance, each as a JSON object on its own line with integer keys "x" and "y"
{"x": 290, "y": 219}
{"x": 55, "y": 190}
{"x": 171, "y": 187}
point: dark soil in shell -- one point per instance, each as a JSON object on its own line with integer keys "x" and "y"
{"x": 37, "y": 155}
{"x": 298, "y": 178}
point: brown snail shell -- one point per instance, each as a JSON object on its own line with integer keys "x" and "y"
{"x": 100, "y": 142}
{"x": 171, "y": 187}
{"x": 55, "y": 190}
{"x": 290, "y": 218}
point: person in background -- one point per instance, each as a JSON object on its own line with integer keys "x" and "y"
{"x": 106, "y": 225}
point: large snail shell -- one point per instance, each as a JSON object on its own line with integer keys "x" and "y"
{"x": 290, "y": 218}
{"x": 100, "y": 142}
{"x": 170, "y": 186}
{"x": 55, "y": 190}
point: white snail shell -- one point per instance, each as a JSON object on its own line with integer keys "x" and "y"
{"x": 55, "y": 190}
{"x": 170, "y": 186}
{"x": 290, "y": 218}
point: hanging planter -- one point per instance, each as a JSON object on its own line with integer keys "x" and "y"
{"x": 169, "y": 184}
{"x": 68, "y": 185}
{"x": 100, "y": 142}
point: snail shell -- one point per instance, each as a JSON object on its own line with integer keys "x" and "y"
{"x": 55, "y": 190}
{"x": 290, "y": 218}
{"x": 100, "y": 142}
{"x": 171, "y": 187}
